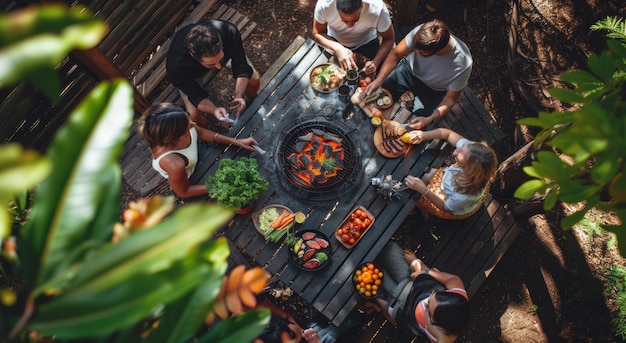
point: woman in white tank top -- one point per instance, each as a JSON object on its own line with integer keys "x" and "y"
{"x": 173, "y": 139}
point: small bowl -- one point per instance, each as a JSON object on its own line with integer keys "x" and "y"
{"x": 374, "y": 282}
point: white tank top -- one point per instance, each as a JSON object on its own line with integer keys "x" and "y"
{"x": 190, "y": 152}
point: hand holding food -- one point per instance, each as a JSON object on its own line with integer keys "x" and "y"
{"x": 413, "y": 137}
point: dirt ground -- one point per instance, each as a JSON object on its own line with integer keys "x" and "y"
{"x": 549, "y": 285}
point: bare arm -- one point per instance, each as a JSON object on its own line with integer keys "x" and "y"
{"x": 395, "y": 55}
{"x": 207, "y": 106}
{"x": 209, "y": 136}
{"x": 388, "y": 38}
{"x": 174, "y": 165}
{"x": 344, "y": 56}
{"x": 418, "y": 136}
{"x": 449, "y": 100}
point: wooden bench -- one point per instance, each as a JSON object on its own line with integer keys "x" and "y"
{"x": 136, "y": 158}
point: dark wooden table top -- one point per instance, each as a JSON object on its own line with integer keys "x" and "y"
{"x": 287, "y": 97}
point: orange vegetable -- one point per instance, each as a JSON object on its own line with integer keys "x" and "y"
{"x": 276, "y": 223}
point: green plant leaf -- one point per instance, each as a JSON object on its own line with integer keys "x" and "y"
{"x": 572, "y": 219}
{"x": 566, "y": 95}
{"x": 602, "y": 65}
{"x": 181, "y": 319}
{"x": 579, "y": 192}
{"x": 37, "y": 39}
{"x": 605, "y": 169}
{"x": 242, "y": 328}
{"x": 617, "y": 47}
{"x": 236, "y": 184}
{"x": 99, "y": 312}
{"x": 20, "y": 169}
{"x": 120, "y": 284}
{"x": 529, "y": 188}
{"x": 83, "y": 153}
{"x": 550, "y": 200}
{"x": 577, "y": 77}
{"x": 530, "y": 121}
{"x": 581, "y": 148}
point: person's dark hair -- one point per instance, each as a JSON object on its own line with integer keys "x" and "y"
{"x": 452, "y": 312}
{"x": 349, "y": 6}
{"x": 432, "y": 36}
{"x": 162, "y": 124}
{"x": 273, "y": 330}
{"x": 203, "y": 41}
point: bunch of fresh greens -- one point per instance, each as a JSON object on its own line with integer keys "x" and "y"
{"x": 236, "y": 184}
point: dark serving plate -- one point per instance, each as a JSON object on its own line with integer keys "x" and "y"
{"x": 313, "y": 247}
{"x": 368, "y": 293}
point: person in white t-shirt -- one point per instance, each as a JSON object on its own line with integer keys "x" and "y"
{"x": 433, "y": 64}
{"x": 464, "y": 184}
{"x": 348, "y": 27}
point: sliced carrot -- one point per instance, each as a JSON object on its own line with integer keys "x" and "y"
{"x": 276, "y": 223}
{"x": 288, "y": 220}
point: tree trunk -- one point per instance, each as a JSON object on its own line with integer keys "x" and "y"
{"x": 510, "y": 175}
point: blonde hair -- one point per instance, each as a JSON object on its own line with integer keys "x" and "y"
{"x": 481, "y": 164}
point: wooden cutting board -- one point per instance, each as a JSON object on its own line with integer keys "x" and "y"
{"x": 378, "y": 143}
{"x": 367, "y": 107}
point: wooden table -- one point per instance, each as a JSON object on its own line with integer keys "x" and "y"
{"x": 286, "y": 97}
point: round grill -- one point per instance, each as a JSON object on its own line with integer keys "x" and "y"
{"x": 317, "y": 159}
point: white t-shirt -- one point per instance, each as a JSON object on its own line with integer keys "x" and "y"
{"x": 190, "y": 152}
{"x": 374, "y": 18}
{"x": 450, "y": 71}
{"x": 456, "y": 202}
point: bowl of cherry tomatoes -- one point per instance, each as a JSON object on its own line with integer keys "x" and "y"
{"x": 354, "y": 226}
{"x": 367, "y": 280}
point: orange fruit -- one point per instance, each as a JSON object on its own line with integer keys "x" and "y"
{"x": 376, "y": 121}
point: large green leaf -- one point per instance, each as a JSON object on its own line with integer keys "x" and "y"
{"x": 529, "y": 188}
{"x": 602, "y": 65}
{"x": 39, "y": 38}
{"x": 102, "y": 311}
{"x": 118, "y": 285}
{"x": 242, "y": 328}
{"x": 19, "y": 170}
{"x": 577, "y": 77}
{"x": 566, "y": 95}
{"x": 182, "y": 318}
{"x": 83, "y": 153}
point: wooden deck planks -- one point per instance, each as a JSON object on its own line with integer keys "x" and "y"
{"x": 136, "y": 158}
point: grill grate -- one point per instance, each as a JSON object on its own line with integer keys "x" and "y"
{"x": 332, "y": 187}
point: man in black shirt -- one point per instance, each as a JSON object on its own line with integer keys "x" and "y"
{"x": 196, "y": 49}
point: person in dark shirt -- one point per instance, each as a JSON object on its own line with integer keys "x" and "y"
{"x": 198, "y": 48}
